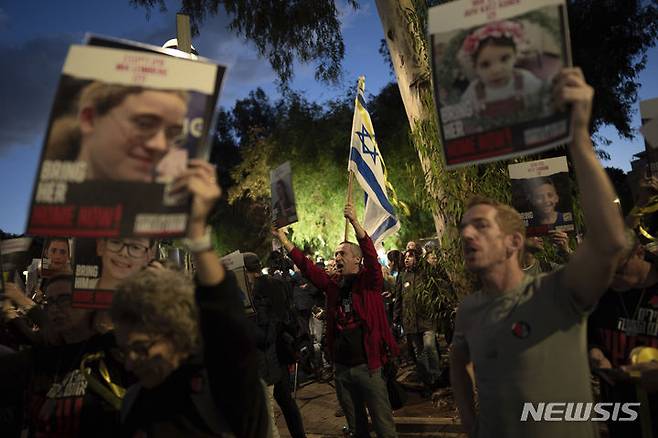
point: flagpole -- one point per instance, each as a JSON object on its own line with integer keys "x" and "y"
{"x": 183, "y": 33}
{"x": 350, "y": 181}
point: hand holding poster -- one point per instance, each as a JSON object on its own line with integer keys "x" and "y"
{"x": 284, "y": 208}
{"x": 493, "y": 63}
{"x": 541, "y": 193}
{"x": 101, "y": 264}
{"x": 119, "y": 135}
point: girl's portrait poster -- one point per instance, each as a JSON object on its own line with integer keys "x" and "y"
{"x": 493, "y": 66}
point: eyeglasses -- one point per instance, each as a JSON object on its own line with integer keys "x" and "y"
{"x": 62, "y": 301}
{"x": 141, "y": 349}
{"x": 141, "y": 128}
{"x": 135, "y": 250}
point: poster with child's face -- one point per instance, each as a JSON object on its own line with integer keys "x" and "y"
{"x": 541, "y": 192}
{"x": 56, "y": 257}
{"x": 101, "y": 264}
{"x": 284, "y": 208}
{"x": 122, "y": 127}
{"x": 493, "y": 64}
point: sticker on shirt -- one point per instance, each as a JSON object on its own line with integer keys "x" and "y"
{"x": 521, "y": 329}
{"x": 347, "y": 305}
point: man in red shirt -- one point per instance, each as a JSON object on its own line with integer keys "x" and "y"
{"x": 358, "y": 335}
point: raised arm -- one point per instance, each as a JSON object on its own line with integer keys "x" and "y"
{"x": 314, "y": 274}
{"x": 201, "y": 182}
{"x": 350, "y": 215}
{"x": 370, "y": 261}
{"x": 589, "y": 271}
{"x": 234, "y": 383}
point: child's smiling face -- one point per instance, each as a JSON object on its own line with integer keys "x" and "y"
{"x": 494, "y": 64}
{"x": 544, "y": 199}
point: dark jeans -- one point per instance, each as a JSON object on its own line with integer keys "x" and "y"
{"x": 427, "y": 356}
{"x": 356, "y": 388}
{"x": 288, "y": 406}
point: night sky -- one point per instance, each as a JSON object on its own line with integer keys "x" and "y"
{"x": 34, "y": 40}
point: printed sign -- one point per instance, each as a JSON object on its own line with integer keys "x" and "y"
{"x": 15, "y": 258}
{"x": 235, "y": 262}
{"x": 284, "y": 209}
{"x": 101, "y": 264}
{"x": 541, "y": 192}
{"x": 122, "y": 127}
{"x": 493, "y": 63}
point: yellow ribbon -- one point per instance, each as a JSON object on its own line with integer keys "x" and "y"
{"x": 645, "y": 233}
{"x": 113, "y": 395}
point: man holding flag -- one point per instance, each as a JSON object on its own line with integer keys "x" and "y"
{"x": 367, "y": 164}
{"x": 358, "y": 335}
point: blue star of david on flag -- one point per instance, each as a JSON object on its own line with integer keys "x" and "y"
{"x": 367, "y": 164}
{"x": 363, "y": 134}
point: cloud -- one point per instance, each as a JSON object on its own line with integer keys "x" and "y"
{"x": 28, "y": 81}
{"x": 246, "y": 70}
{"x": 4, "y": 20}
{"x": 348, "y": 16}
{"x": 29, "y": 77}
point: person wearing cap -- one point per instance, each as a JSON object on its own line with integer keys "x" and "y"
{"x": 274, "y": 321}
{"x": 359, "y": 338}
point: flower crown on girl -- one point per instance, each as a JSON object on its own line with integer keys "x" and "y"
{"x": 497, "y": 29}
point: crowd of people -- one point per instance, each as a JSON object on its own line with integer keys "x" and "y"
{"x": 178, "y": 355}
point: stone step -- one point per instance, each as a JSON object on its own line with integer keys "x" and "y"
{"x": 423, "y": 425}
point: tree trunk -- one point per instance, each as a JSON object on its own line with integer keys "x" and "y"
{"x": 408, "y": 48}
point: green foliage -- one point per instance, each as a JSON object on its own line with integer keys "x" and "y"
{"x": 315, "y": 139}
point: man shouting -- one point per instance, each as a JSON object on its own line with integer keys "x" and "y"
{"x": 359, "y": 338}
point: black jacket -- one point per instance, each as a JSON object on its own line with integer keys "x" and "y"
{"x": 273, "y": 320}
{"x": 216, "y": 394}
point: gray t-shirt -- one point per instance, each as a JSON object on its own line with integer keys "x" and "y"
{"x": 527, "y": 345}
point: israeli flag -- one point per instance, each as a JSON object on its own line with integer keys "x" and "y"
{"x": 370, "y": 171}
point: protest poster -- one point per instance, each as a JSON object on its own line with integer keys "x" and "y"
{"x": 56, "y": 257}
{"x": 235, "y": 262}
{"x": 101, "y": 264}
{"x": 16, "y": 257}
{"x": 284, "y": 209}
{"x": 122, "y": 127}
{"x": 493, "y": 62}
{"x": 541, "y": 192}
